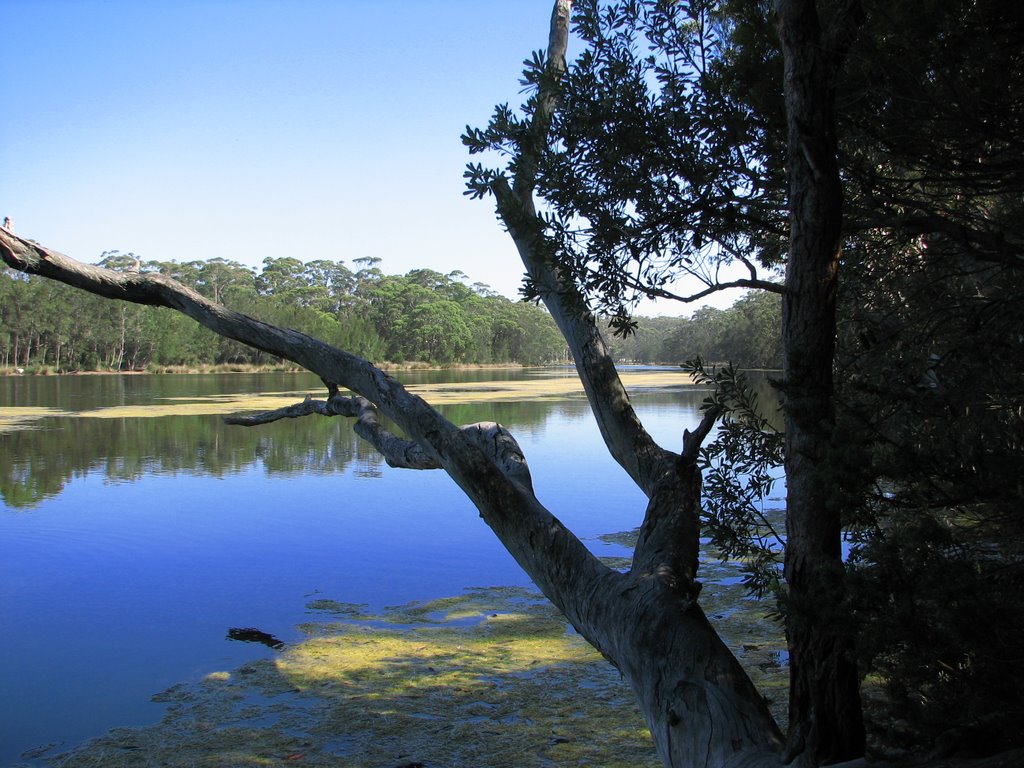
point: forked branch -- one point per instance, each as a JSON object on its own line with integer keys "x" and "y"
{"x": 397, "y": 452}
{"x": 433, "y": 441}
{"x": 495, "y": 441}
{"x": 624, "y": 435}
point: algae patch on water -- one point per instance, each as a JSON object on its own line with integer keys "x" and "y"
{"x": 497, "y": 390}
{"x": 491, "y": 677}
{"x": 210, "y": 405}
{"x": 14, "y": 418}
{"x": 548, "y": 388}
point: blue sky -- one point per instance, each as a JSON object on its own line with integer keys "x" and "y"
{"x": 189, "y": 129}
{"x": 242, "y": 129}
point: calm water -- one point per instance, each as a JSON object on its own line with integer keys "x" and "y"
{"x": 129, "y": 546}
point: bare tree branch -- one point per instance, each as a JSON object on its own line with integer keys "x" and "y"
{"x": 495, "y": 441}
{"x": 693, "y": 440}
{"x": 399, "y": 453}
{"x": 483, "y": 459}
{"x": 699, "y": 703}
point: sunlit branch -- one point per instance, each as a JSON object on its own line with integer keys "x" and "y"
{"x": 332, "y": 364}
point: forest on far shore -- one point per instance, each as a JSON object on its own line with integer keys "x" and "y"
{"x": 423, "y": 317}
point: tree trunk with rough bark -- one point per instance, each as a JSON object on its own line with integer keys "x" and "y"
{"x": 825, "y": 711}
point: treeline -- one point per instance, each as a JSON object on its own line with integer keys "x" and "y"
{"x": 422, "y": 316}
{"x": 747, "y": 334}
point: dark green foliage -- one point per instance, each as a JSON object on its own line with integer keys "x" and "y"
{"x": 930, "y": 369}
{"x": 668, "y": 157}
{"x": 741, "y": 466}
{"x": 655, "y": 170}
{"x": 424, "y": 316}
{"x": 942, "y": 612}
{"x": 932, "y": 126}
{"x": 930, "y": 362}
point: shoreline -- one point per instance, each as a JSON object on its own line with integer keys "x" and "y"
{"x": 232, "y": 368}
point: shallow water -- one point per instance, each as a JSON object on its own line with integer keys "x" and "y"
{"x": 131, "y": 544}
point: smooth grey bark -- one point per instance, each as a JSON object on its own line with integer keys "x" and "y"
{"x": 700, "y": 704}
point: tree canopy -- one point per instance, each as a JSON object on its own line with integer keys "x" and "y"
{"x": 888, "y": 140}
{"x": 423, "y": 316}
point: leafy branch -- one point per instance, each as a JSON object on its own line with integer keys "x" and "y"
{"x": 740, "y": 467}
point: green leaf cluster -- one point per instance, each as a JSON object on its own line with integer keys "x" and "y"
{"x": 741, "y": 466}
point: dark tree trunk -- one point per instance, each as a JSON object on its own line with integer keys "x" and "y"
{"x": 825, "y": 713}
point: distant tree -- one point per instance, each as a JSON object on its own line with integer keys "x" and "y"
{"x": 437, "y": 331}
{"x": 747, "y": 334}
{"x": 647, "y": 343}
{"x": 367, "y": 312}
{"x": 223, "y": 280}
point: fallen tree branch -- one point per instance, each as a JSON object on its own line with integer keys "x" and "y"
{"x": 307, "y": 407}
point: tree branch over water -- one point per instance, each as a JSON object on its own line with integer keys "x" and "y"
{"x": 699, "y": 703}
{"x": 375, "y": 389}
{"x": 399, "y": 453}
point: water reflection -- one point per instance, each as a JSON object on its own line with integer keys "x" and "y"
{"x": 42, "y": 460}
{"x": 128, "y": 545}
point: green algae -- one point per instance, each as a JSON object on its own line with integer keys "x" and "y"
{"x": 622, "y": 538}
{"x": 334, "y": 608}
{"x": 211, "y": 405}
{"x": 491, "y": 677}
{"x": 13, "y": 419}
{"x": 512, "y": 390}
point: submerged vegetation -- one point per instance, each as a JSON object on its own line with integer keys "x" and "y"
{"x": 493, "y": 672}
{"x": 554, "y": 387}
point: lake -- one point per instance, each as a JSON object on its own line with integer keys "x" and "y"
{"x": 136, "y": 528}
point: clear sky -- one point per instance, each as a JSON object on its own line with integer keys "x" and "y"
{"x": 242, "y": 129}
